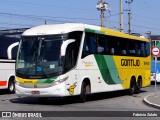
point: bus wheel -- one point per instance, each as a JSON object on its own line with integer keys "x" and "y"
{"x": 82, "y": 97}
{"x": 138, "y": 87}
{"x": 132, "y": 87}
{"x": 11, "y": 86}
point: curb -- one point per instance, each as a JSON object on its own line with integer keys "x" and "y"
{"x": 150, "y": 103}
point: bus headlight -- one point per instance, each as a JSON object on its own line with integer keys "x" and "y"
{"x": 59, "y": 81}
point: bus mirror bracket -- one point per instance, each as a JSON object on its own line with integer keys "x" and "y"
{"x": 64, "y": 46}
{"x": 9, "y": 50}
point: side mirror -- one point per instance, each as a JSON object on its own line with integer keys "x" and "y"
{"x": 64, "y": 46}
{"x": 9, "y": 50}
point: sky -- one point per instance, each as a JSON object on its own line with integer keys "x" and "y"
{"x": 29, "y": 13}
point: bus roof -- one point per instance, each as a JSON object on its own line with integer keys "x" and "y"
{"x": 69, "y": 27}
{"x": 53, "y": 29}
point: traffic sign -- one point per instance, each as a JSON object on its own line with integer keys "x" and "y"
{"x": 155, "y": 51}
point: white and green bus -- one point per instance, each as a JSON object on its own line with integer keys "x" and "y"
{"x": 79, "y": 59}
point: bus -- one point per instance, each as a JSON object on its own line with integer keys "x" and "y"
{"x": 74, "y": 59}
{"x": 8, "y": 52}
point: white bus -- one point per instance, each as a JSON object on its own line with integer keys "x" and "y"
{"x": 79, "y": 59}
{"x": 8, "y": 52}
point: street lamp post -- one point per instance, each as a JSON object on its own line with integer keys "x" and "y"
{"x": 129, "y": 15}
{"x": 102, "y": 6}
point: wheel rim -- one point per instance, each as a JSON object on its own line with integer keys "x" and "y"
{"x": 139, "y": 85}
{"x": 132, "y": 88}
{"x": 88, "y": 89}
{"x": 11, "y": 86}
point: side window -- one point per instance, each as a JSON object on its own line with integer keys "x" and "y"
{"x": 147, "y": 49}
{"x": 85, "y": 46}
{"x": 89, "y": 45}
{"x": 132, "y": 48}
{"x": 72, "y": 50}
{"x": 101, "y": 44}
{"x": 93, "y": 46}
{"x": 69, "y": 57}
{"x": 117, "y": 46}
{"x": 111, "y": 46}
{"x": 140, "y": 48}
{"x": 77, "y": 35}
{"x": 123, "y": 47}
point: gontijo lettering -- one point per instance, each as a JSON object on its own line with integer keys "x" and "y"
{"x": 130, "y": 62}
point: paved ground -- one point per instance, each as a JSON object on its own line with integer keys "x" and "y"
{"x": 117, "y": 102}
{"x": 153, "y": 98}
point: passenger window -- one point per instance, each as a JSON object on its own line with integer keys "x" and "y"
{"x": 101, "y": 44}
{"x": 89, "y": 45}
{"x": 147, "y": 49}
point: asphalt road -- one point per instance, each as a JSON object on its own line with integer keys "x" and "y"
{"x": 110, "y": 101}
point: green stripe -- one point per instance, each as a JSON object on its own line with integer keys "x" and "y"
{"x": 94, "y": 31}
{"x": 47, "y": 81}
{"x": 108, "y": 69}
{"x": 113, "y": 69}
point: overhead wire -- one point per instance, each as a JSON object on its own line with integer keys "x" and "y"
{"x": 61, "y": 19}
{"x": 9, "y": 2}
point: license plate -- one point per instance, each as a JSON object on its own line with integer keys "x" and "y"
{"x": 35, "y": 92}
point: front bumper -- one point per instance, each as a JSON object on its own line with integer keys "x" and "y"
{"x": 54, "y": 91}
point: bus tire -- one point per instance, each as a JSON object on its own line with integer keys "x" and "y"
{"x": 82, "y": 96}
{"x": 138, "y": 86}
{"x": 11, "y": 86}
{"x": 132, "y": 87}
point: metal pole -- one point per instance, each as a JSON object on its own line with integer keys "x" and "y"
{"x": 155, "y": 69}
{"x": 102, "y": 18}
{"x": 155, "y": 74}
{"x": 102, "y": 15}
{"x": 121, "y": 16}
{"x": 129, "y": 17}
{"x": 129, "y": 22}
{"x": 102, "y": 6}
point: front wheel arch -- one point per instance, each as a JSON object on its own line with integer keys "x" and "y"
{"x": 85, "y": 90}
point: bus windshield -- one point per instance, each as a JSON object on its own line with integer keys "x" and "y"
{"x": 39, "y": 57}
